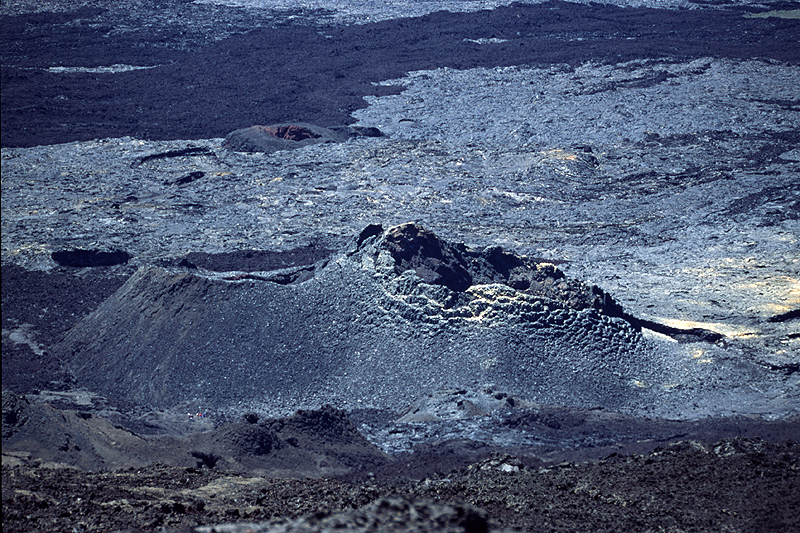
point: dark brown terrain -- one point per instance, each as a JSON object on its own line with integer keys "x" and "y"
{"x": 736, "y": 484}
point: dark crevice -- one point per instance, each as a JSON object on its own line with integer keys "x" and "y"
{"x": 255, "y": 260}
{"x": 298, "y": 275}
{"x": 679, "y": 334}
{"x": 788, "y": 369}
{"x": 90, "y": 258}
{"x": 189, "y": 178}
{"x": 794, "y": 314}
{"x": 370, "y": 231}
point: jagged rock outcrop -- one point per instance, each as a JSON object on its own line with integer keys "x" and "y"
{"x": 401, "y": 313}
{"x": 458, "y": 267}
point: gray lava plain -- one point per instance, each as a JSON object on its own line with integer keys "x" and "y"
{"x": 399, "y": 263}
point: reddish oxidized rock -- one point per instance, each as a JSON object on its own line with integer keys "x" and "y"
{"x": 279, "y": 137}
{"x": 290, "y": 133}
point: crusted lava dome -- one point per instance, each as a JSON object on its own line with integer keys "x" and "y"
{"x": 401, "y": 312}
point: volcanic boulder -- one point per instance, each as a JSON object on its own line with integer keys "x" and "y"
{"x": 435, "y": 261}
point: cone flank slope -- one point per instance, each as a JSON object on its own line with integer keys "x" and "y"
{"x": 402, "y": 310}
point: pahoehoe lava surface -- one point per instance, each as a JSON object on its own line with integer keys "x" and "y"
{"x": 316, "y": 74}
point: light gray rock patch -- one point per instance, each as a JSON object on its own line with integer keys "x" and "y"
{"x": 112, "y": 69}
{"x": 592, "y": 104}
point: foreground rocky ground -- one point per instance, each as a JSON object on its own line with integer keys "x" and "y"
{"x": 736, "y": 484}
{"x": 75, "y": 468}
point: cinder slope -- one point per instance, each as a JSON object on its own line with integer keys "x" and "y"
{"x": 399, "y": 314}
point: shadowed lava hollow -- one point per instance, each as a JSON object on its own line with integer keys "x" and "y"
{"x": 255, "y": 260}
{"x": 90, "y": 258}
{"x": 291, "y": 133}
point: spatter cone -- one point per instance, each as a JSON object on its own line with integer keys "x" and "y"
{"x": 398, "y": 314}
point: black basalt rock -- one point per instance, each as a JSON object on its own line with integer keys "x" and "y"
{"x": 458, "y": 267}
{"x": 435, "y": 261}
{"x": 90, "y": 258}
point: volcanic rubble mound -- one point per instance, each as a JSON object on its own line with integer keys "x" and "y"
{"x": 280, "y": 137}
{"x": 316, "y": 442}
{"x": 400, "y": 311}
{"x": 308, "y": 443}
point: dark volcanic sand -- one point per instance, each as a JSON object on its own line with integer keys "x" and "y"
{"x": 52, "y": 302}
{"x": 203, "y": 89}
{"x": 320, "y": 75}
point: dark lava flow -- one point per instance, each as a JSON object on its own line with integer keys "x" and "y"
{"x": 320, "y": 75}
